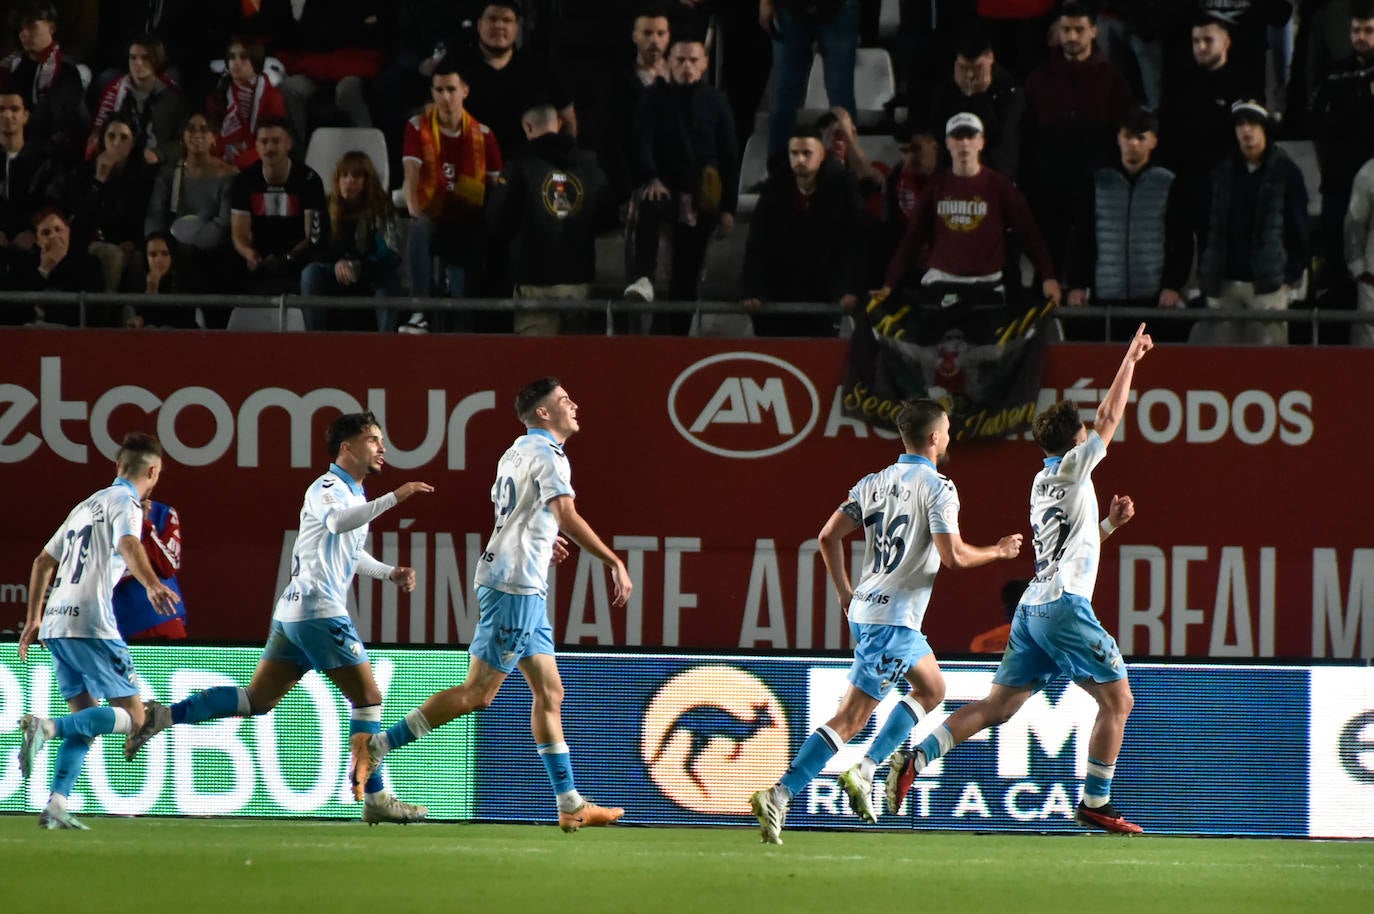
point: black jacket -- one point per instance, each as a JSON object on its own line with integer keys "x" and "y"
{"x": 820, "y": 256}
{"x": 1342, "y": 115}
{"x": 546, "y": 207}
{"x": 679, "y": 130}
{"x": 1001, "y": 109}
{"x": 35, "y": 179}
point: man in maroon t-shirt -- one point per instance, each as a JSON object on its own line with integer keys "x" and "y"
{"x": 962, "y": 215}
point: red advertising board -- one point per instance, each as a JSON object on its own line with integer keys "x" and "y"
{"x": 711, "y": 465}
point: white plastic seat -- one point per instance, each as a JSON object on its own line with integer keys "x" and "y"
{"x": 328, "y": 144}
{"x": 753, "y": 168}
{"x": 874, "y": 85}
{"x": 264, "y": 320}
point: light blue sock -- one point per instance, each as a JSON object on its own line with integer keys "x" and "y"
{"x": 558, "y": 763}
{"x": 86, "y": 722}
{"x": 895, "y": 729}
{"x": 934, "y": 746}
{"x": 69, "y": 760}
{"x": 819, "y": 748}
{"x": 368, "y": 719}
{"x": 212, "y": 704}
{"x": 1097, "y": 786}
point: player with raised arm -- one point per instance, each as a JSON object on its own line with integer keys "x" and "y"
{"x": 311, "y": 628}
{"x": 89, "y": 553}
{"x": 1055, "y": 631}
{"x": 910, "y": 517}
{"x": 533, "y": 499}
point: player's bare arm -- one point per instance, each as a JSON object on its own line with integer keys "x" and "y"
{"x": 1110, "y": 410}
{"x": 581, "y": 533}
{"x": 831, "y": 538}
{"x": 39, "y": 575}
{"x": 955, "y": 553}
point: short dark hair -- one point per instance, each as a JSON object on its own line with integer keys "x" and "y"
{"x": 973, "y": 43}
{"x": 515, "y": 6}
{"x": 1056, "y": 427}
{"x": 1362, "y": 9}
{"x": 136, "y": 451}
{"x": 826, "y": 120}
{"x": 916, "y": 418}
{"x": 1075, "y": 10}
{"x": 808, "y": 132}
{"x": 1202, "y": 19}
{"x": 269, "y": 123}
{"x": 532, "y": 394}
{"x": 1139, "y": 119}
{"x": 46, "y": 210}
{"x": 657, "y": 10}
{"x": 450, "y": 65}
{"x": 8, "y": 87}
{"x": 32, "y": 11}
{"x": 345, "y": 427}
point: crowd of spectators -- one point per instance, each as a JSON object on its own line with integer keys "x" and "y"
{"x": 1124, "y": 153}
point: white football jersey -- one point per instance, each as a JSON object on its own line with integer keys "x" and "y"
{"x": 89, "y": 563}
{"x": 1063, "y": 516}
{"x": 322, "y": 563}
{"x": 533, "y": 471}
{"x": 901, "y": 508}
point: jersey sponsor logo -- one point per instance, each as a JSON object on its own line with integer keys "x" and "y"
{"x": 743, "y": 405}
{"x": 711, "y": 735}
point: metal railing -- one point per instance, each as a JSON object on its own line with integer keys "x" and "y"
{"x": 1118, "y": 318}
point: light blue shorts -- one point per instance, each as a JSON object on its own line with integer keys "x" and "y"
{"x": 315, "y": 644}
{"x": 883, "y": 655}
{"x": 1058, "y": 638}
{"x": 511, "y": 628}
{"x": 101, "y": 667}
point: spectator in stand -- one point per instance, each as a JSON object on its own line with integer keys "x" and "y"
{"x": 1342, "y": 116}
{"x": 1359, "y": 250}
{"x": 906, "y": 182}
{"x": 994, "y": 640}
{"x": 148, "y": 100}
{"x": 797, "y": 26}
{"x": 333, "y": 48}
{"x": 983, "y": 87}
{"x": 963, "y": 216}
{"x": 57, "y": 266}
{"x": 1196, "y": 130}
{"x": 28, "y": 180}
{"x": 423, "y": 28}
{"x": 58, "y": 118}
{"x": 275, "y": 207}
{"x": 450, "y": 159}
{"x": 1323, "y": 38}
{"x": 1256, "y": 247}
{"x": 1017, "y": 29}
{"x": 807, "y": 241}
{"x": 1250, "y": 23}
{"x": 546, "y": 210}
{"x": 504, "y": 80}
{"x": 1132, "y": 241}
{"x": 134, "y": 613}
{"x": 190, "y": 199}
{"x": 650, "y": 64}
{"x": 1075, "y": 102}
{"x": 181, "y": 27}
{"x": 688, "y": 170}
{"x": 161, "y": 273}
{"x": 362, "y": 254}
{"x": 243, "y": 100}
{"x": 108, "y": 198}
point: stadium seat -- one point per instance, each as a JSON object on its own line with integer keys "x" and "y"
{"x": 874, "y": 85}
{"x": 264, "y": 320}
{"x": 1304, "y": 155}
{"x": 721, "y": 325}
{"x": 328, "y": 144}
{"x": 889, "y": 19}
{"x": 881, "y": 148}
{"x": 753, "y": 169}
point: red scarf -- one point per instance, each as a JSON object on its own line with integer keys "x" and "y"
{"x": 49, "y": 66}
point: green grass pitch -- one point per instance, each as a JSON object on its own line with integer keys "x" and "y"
{"x": 240, "y": 866}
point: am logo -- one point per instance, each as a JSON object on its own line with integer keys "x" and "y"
{"x": 711, "y": 735}
{"x": 743, "y": 405}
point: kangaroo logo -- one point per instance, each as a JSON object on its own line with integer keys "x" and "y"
{"x": 705, "y": 723}
{"x": 709, "y": 734}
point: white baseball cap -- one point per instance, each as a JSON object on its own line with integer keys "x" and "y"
{"x": 963, "y": 120}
